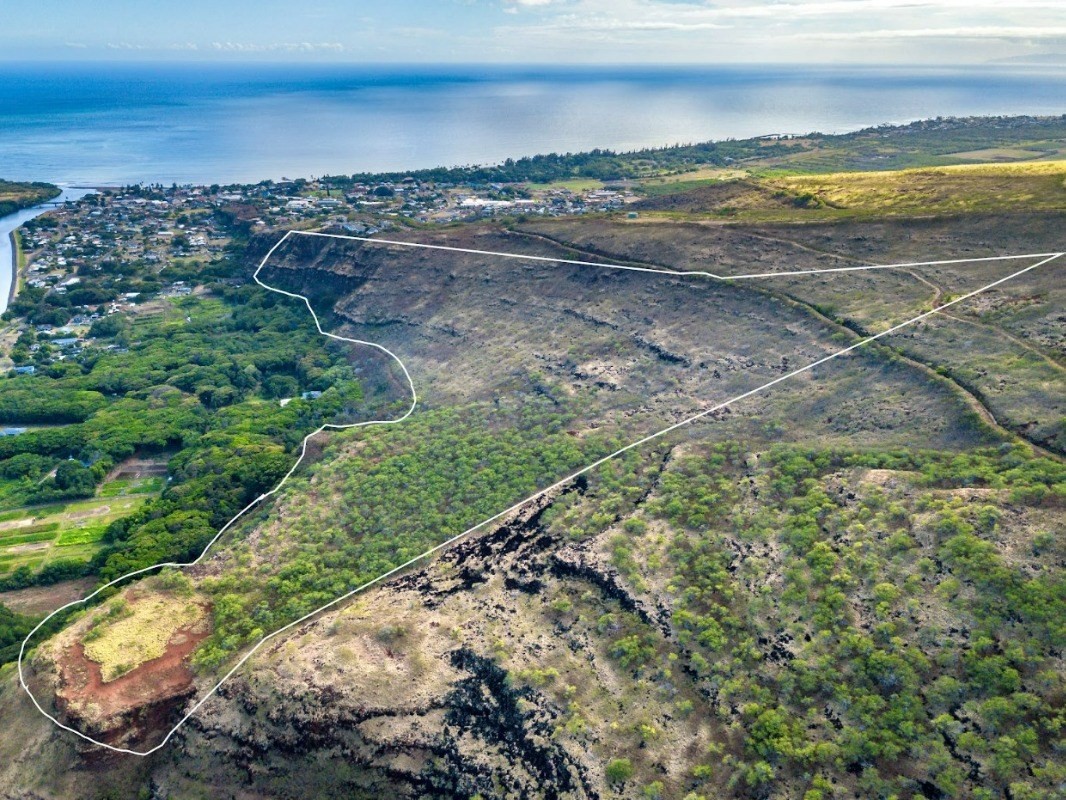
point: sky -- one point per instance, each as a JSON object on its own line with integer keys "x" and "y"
{"x": 538, "y": 31}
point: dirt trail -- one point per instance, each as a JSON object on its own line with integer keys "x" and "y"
{"x": 1007, "y": 335}
{"x": 971, "y": 399}
{"x": 938, "y": 293}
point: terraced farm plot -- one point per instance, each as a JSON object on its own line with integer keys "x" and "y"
{"x": 35, "y": 537}
{"x": 123, "y": 487}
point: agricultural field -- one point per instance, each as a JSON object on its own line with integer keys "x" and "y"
{"x": 165, "y": 427}
{"x": 73, "y": 531}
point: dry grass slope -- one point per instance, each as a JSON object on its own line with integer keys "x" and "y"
{"x": 129, "y": 634}
{"x": 960, "y": 189}
{"x": 929, "y": 191}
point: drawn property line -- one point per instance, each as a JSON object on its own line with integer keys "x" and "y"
{"x": 447, "y": 543}
{"x": 664, "y": 270}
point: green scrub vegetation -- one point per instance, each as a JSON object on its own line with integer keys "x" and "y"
{"x": 860, "y": 617}
{"x": 197, "y": 386}
{"x": 390, "y": 495}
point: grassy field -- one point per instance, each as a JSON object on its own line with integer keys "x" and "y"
{"x": 940, "y": 191}
{"x": 694, "y": 179}
{"x": 573, "y": 185}
{"x": 35, "y": 536}
{"x": 1012, "y": 154}
{"x": 921, "y": 146}
{"x": 959, "y": 189}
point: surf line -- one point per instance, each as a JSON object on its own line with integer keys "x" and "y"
{"x": 459, "y": 536}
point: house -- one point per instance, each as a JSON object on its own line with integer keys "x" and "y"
{"x": 27, "y": 370}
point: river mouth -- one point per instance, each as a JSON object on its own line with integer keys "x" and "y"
{"x": 11, "y": 222}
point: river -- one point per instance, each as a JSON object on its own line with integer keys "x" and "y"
{"x": 8, "y": 224}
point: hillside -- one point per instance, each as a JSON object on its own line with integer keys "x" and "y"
{"x": 846, "y": 585}
{"x": 928, "y": 191}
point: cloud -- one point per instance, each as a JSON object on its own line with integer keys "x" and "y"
{"x": 623, "y": 21}
{"x": 274, "y": 47}
{"x": 700, "y": 15}
{"x": 963, "y": 32}
{"x": 189, "y": 46}
{"x": 824, "y": 8}
{"x": 721, "y": 31}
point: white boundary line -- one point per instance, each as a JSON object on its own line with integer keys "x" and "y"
{"x": 519, "y": 256}
{"x": 664, "y": 270}
{"x": 447, "y": 543}
{"x": 884, "y": 266}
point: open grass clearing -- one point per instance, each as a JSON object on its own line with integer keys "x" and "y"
{"x": 998, "y": 154}
{"x": 950, "y": 191}
{"x": 132, "y": 630}
{"x": 970, "y": 188}
{"x": 123, "y": 487}
{"x": 572, "y": 185}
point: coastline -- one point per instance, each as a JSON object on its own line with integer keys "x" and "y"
{"x": 13, "y": 289}
{"x": 10, "y": 223}
{"x": 436, "y": 117}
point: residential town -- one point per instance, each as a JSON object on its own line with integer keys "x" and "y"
{"x": 127, "y": 249}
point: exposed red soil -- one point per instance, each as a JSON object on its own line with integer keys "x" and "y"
{"x": 134, "y": 703}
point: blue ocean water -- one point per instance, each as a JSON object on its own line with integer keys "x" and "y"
{"x": 107, "y": 124}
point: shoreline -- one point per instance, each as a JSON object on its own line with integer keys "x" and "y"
{"x": 10, "y": 223}
{"x": 13, "y": 289}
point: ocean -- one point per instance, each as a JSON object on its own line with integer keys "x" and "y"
{"x": 116, "y": 124}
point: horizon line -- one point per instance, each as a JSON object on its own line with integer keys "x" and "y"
{"x": 628, "y": 66}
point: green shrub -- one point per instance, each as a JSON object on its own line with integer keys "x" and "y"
{"x": 619, "y": 770}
